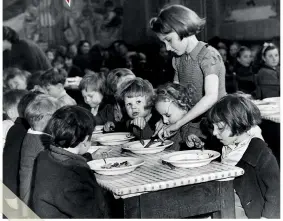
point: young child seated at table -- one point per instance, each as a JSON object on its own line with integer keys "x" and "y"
{"x": 138, "y": 97}
{"x": 173, "y": 101}
{"x": 113, "y": 81}
{"x": 93, "y": 89}
{"x": 16, "y": 78}
{"x": 53, "y": 81}
{"x": 37, "y": 113}
{"x": 68, "y": 188}
{"x": 257, "y": 193}
{"x": 11, "y": 100}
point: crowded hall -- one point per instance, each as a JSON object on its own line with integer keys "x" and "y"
{"x": 141, "y": 109}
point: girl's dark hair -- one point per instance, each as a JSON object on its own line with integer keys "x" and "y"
{"x": 180, "y": 95}
{"x": 184, "y": 21}
{"x": 69, "y": 126}
{"x": 237, "y": 112}
{"x": 10, "y": 35}
{"x": 242, "y": 50}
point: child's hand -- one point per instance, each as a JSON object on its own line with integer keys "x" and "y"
{"x": 194, "y": 141}
{"x": 158, "y": 126}
{"x": 109, "y": 126}
{"x": 139, "y": 122}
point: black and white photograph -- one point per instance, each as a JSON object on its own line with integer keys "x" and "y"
{"x": 141, "y": 109}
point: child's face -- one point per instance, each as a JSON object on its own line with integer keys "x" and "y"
{"x": 271, "y": 58}
{"x": 223, "y": 133}
{"x": 84, "y": 146}
{"x": 92, "y": 98}
{"x": 223, "y": 54}
{"x": 233, "y": 50}
{"x": 50, "y": 56}
{"x": 245, "y": 59}
{"x": 173, "y": 43}
{"x": 68, "y": 62}
{"x": 169, "y": 111}
{"x": 53, "y": 90}
{"x": 17, "y": 82}
{"x": 135, "y": 107}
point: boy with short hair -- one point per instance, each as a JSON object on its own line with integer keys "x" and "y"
{"x": 53, "y": 81}
{"x": 37, "y": 113}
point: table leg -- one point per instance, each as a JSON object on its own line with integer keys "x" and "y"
{"x": 227, "y": 202}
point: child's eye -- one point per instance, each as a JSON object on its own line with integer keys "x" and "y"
{"x": 167, "y": 115}
{"x": 128, "y": 104}
{"x": 138, "y": 102}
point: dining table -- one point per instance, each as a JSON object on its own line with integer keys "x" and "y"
{"x": 155, "y": 190}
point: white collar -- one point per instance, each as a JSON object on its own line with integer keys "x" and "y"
{"x": 31, "y": 131}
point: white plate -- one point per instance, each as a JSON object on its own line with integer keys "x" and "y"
{"x": 92, "y": 149}
{"x": 97, "y": 164}
{"x": 98, "y": 129}
{"x": 272, "y": 100}
{"x": 269, "y": 107}
{"x": 137, "y": 147}
{"x": 114, "y": 138}
{"x": 191, "y": 158}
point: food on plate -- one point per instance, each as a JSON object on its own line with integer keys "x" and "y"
{"x": 116, "y": 165}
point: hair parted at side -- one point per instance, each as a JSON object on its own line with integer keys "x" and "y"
{"x": 135, "y": 88}
{"x": 53, "y": 76}
{"x": 70, "y": 125}
{"x": 237, "y": 112}
{"x": 184, "y": 21}
{"x": 10, "y": 35}
{"x": 93, "y": 81}
{"x": 26, "y": 100}
{"x": 180, "y": 95}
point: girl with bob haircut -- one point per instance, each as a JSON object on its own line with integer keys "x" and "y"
{"x": 196, "y": 64}
{"x": 138, "y": 97}
{"x": 268, "y": 77}
{"x": 68, "y": 188}
{"x": 173, "y": 101}
{"x": 257, "y": 193}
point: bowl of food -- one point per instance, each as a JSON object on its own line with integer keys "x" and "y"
{"x": 114, "y": 138}
{"x": 155, "y": 147}
{"x": 115, "y": 165}
{"x": 98, "y": 129}
{"x": 191, "y": 158}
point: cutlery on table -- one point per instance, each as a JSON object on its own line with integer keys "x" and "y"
{"x": 141, "y": 137}
{"x": 172, "y": 167}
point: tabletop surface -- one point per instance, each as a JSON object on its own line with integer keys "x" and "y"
{"x": 269, "y": 110}
{"x": 154, "y": 176}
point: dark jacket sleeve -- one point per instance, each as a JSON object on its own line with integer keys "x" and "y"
{"x": 83, "y": 198}
{"x": 270, "y": 176}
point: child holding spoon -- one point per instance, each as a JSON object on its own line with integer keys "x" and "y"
{"x": 173, "y": 101}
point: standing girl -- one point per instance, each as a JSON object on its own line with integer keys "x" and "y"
{"x": 196, "y": 64}
{"x": 268, "y": 77}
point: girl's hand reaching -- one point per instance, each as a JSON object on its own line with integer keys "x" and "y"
{"x": 109, "y": 126}
{"x": 194, "y": 141}
{"x": 139, "y": 122}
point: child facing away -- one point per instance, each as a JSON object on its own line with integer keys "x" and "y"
{"x": 138, "y": 97}
{"x": 257, "y": 192}
{"x": 37, "y": 113}
{"x": 68, "y": 188}
{"x": 53, "y": 81}
{"x": 12, "y": 150}
{"x": 268, "y": 77}
{"x": 93, "y": 89}
{"x": 11, "y": 100}
{"x": 114, "y": 80}
{"x": 173, "y": 101}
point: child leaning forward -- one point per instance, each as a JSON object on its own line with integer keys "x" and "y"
{"x": 257, "y": 192}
